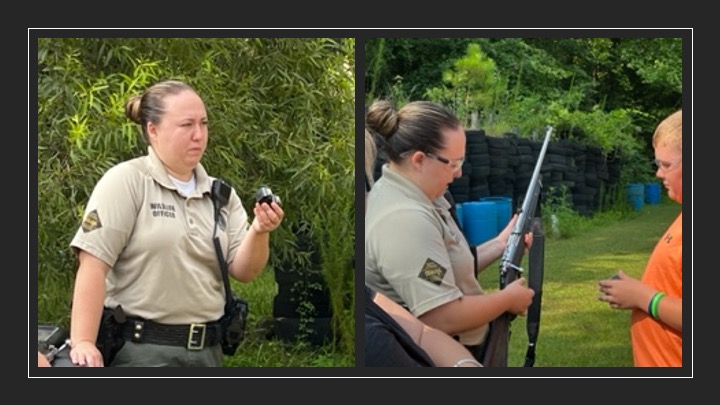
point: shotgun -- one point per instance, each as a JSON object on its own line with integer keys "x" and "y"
{"x": 497, "y": 342}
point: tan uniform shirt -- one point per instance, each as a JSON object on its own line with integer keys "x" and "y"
{"x": 414, "y": 251}
{"x": 158, "y": 243}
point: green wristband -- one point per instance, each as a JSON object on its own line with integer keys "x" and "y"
{"x": 654, "y": 304}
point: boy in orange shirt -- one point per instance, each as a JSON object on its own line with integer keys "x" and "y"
{"x": 656, "y": 299}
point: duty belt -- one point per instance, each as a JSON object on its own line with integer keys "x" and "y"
{"x": 195, "y": 336}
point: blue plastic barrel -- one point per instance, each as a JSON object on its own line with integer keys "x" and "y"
{"x": 652, "y": 193}
{"x": 479, "y": 221}
{"x": 504, "y": 210}
{"x": 636, "y": 195}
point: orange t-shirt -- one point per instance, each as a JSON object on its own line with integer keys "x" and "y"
{"x": 654, "y": 343}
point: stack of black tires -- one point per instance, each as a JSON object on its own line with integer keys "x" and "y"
{"x": 578, "y": 175}
{"x": 301, "y": 308}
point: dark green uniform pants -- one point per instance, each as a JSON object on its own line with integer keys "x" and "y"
{"x": 151, "y": 355}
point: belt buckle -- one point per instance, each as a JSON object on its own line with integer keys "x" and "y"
{"x": 196, "y": 336}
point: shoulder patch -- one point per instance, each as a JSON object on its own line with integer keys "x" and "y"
{"x": 433, "y": 272}
{"x": 91, "y": 221}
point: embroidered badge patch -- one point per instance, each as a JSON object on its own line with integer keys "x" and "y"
{"x": 91, "y": 222}
{"x": 433, "y": 272}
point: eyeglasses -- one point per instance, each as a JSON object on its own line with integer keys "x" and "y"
{"x": 455, "y": 166}
{"x": 665, "y": 166}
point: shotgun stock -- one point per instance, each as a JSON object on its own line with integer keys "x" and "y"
{"x": 497, "y": 342}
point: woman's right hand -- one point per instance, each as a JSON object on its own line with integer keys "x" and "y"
{"x": 86, "y": 354}
{"x": 520, "y": 297}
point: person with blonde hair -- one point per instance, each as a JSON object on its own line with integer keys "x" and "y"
{"x": 656, "y": 299}
{"x": 415, "y": 252}
{"x": 393, "y": 336}
{"x": 153, "y": 241}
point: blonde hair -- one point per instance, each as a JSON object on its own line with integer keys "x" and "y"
{"x": 669, "y": 132}
{"x": 150, "y": 105}
{"x": 370, "y": 156}
{"x": 418, "y": 125}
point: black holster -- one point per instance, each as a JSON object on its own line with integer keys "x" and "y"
{"x": 110, "y": 334}
{"x": 233, "y": 325}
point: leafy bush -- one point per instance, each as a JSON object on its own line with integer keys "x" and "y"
{"x": 560, "y": 221}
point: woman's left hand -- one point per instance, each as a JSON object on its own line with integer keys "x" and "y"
{"x": 504, "y": 236}
{"x": 267, "y": 217}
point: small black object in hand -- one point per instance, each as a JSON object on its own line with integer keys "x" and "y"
{"x": 264, "y": 195}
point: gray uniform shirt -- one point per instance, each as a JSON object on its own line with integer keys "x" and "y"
{"x": 158, "y": 243}
{"x": 414, "y": 251}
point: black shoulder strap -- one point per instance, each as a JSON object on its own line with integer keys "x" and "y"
{"x": 453, "y": 210}
{"x": 220, "y": 196}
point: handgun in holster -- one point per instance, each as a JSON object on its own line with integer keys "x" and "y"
{"x": 110, "y": 334}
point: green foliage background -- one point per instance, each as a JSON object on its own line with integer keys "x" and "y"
{"x": 605, "y": 92}
{"x": 281, "y": 113}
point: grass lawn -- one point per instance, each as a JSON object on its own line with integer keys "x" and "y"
{"x": 576, "y": 329}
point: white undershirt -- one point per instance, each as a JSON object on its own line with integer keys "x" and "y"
{"x": 184, "y": 187}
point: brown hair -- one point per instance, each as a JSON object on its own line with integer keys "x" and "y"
{"x": 669, "y": 131}
{"x": 149, "y": 106}
{"x": 415, "y": 126}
